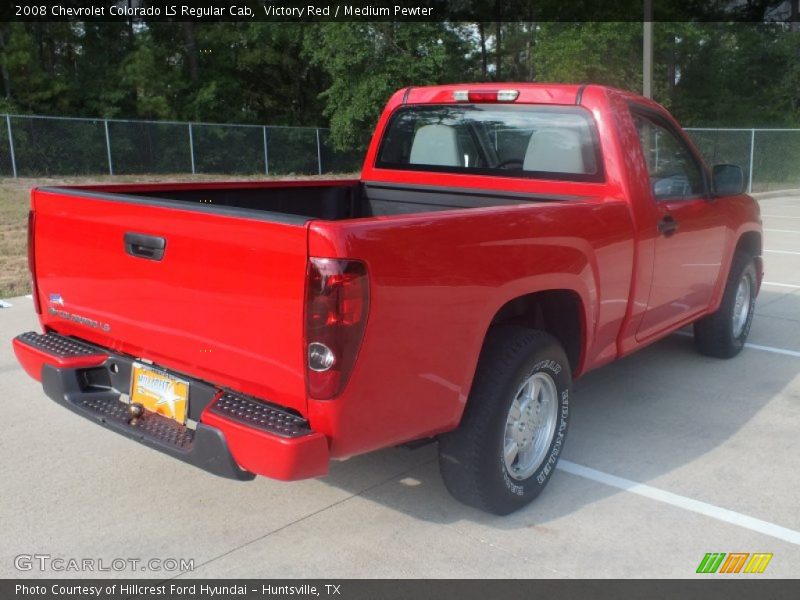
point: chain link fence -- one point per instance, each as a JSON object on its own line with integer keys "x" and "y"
{"x": 34, "y": 146}
{"x": 770, "y": 158}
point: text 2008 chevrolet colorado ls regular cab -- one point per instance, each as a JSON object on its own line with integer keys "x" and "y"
{"x": 502, "y": 240}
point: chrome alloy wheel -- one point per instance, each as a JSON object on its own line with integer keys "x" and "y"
{"x": 530, "y": 425}
{"x": 741, "y": 306}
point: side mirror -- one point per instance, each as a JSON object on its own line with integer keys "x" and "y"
{"x": 727, "y": 180}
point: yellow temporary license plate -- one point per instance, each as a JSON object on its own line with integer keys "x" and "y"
{"x": 160, "y": 392}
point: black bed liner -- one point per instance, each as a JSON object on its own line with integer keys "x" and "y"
{"x": 298, "y": 204}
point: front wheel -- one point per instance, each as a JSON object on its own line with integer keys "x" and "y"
{"x": 513, "y": 429}
{"x": 723, "y": 333}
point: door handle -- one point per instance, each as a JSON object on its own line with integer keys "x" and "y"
{"x": 667, "y": 225}
{"x": 145, "y": 246}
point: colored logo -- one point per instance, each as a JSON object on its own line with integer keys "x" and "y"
{"x": 734, "y": 562}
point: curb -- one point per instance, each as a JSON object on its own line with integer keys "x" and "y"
{"x": 775, "y": 194}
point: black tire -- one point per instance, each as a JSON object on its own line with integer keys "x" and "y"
{"x": 714, "y": 335}
{"x": 471, "y": 458}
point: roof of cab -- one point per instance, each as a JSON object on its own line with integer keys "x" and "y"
{"x": 539, "y": 93}
{"x": 534, "y": 93}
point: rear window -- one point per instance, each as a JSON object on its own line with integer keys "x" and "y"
{"x": 546, "y": 142}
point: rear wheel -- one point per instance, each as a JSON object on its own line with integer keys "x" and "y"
{"x": 724, "y": 333}
{"x": 514, "y": 427}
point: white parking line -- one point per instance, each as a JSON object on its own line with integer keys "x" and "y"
{"x": 772, "y": 349}
{"x": 783, "y": 230}
{"x": 703, "y": 508}
{"x": 782, "y": 252}
{"x": 785, "y": 285}
{"x": 783, "y": 351}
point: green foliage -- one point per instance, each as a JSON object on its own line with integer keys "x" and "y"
{"x": 604, "y": 53}
{"x": 341, "y": 74}
{"x": 36, "y": 83}
{"x": 729, "y": 74}
{"x": 151, "y": 78}
{"x": 367, "y": 62}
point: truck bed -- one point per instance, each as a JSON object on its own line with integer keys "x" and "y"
{"x": 299, "y": 201}
{"x": 216, "y": 272}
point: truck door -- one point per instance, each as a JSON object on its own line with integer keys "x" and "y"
{"x": 690, "y": 229}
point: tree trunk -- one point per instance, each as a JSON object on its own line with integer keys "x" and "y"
{"x": 498, "y": 53}
{"x": 3, "y": 67}
{"x": 672, "y": 68}
{"x": 484, "y": 65}
{"x": 530, "y": 43}
{"x": 794, "y": 25}
{"x": 190, "y": 43}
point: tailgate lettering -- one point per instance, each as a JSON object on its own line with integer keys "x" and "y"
{"x": 79, "y": 319}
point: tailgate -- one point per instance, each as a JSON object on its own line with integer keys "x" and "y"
{"x": 224, "y": 303}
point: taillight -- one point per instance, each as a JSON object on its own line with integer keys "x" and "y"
{"x": 32, "y": 261}
{"x": 485, "y": 95}
{"x": 337, "y": 301}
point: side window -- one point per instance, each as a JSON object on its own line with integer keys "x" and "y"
{"x": 674, "y": 172}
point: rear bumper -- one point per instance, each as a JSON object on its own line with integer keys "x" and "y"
{"x": 235, "y": 436}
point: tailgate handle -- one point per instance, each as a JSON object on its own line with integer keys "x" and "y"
{"x": 145, "y": 246}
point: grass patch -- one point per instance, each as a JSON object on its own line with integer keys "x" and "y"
{"x": 15, "y": 202}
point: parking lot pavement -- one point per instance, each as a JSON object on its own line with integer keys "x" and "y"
{"x": 686, "y": 455}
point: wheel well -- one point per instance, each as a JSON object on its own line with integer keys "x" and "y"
{"x": 558, "y": 312}
{"x": 750, "y": 242}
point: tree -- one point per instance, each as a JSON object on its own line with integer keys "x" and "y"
{"x": 730, "y": 74}
{"x": 366, "y": 62}
{"x": 304, "y": 74}
{"x": 39, "y": 58}
{"x": 603, "y": 53}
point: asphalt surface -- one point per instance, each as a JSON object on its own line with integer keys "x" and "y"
{"x": 670, "y": 455}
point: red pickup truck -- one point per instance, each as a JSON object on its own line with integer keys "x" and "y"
{"x": 501, "y": 241}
